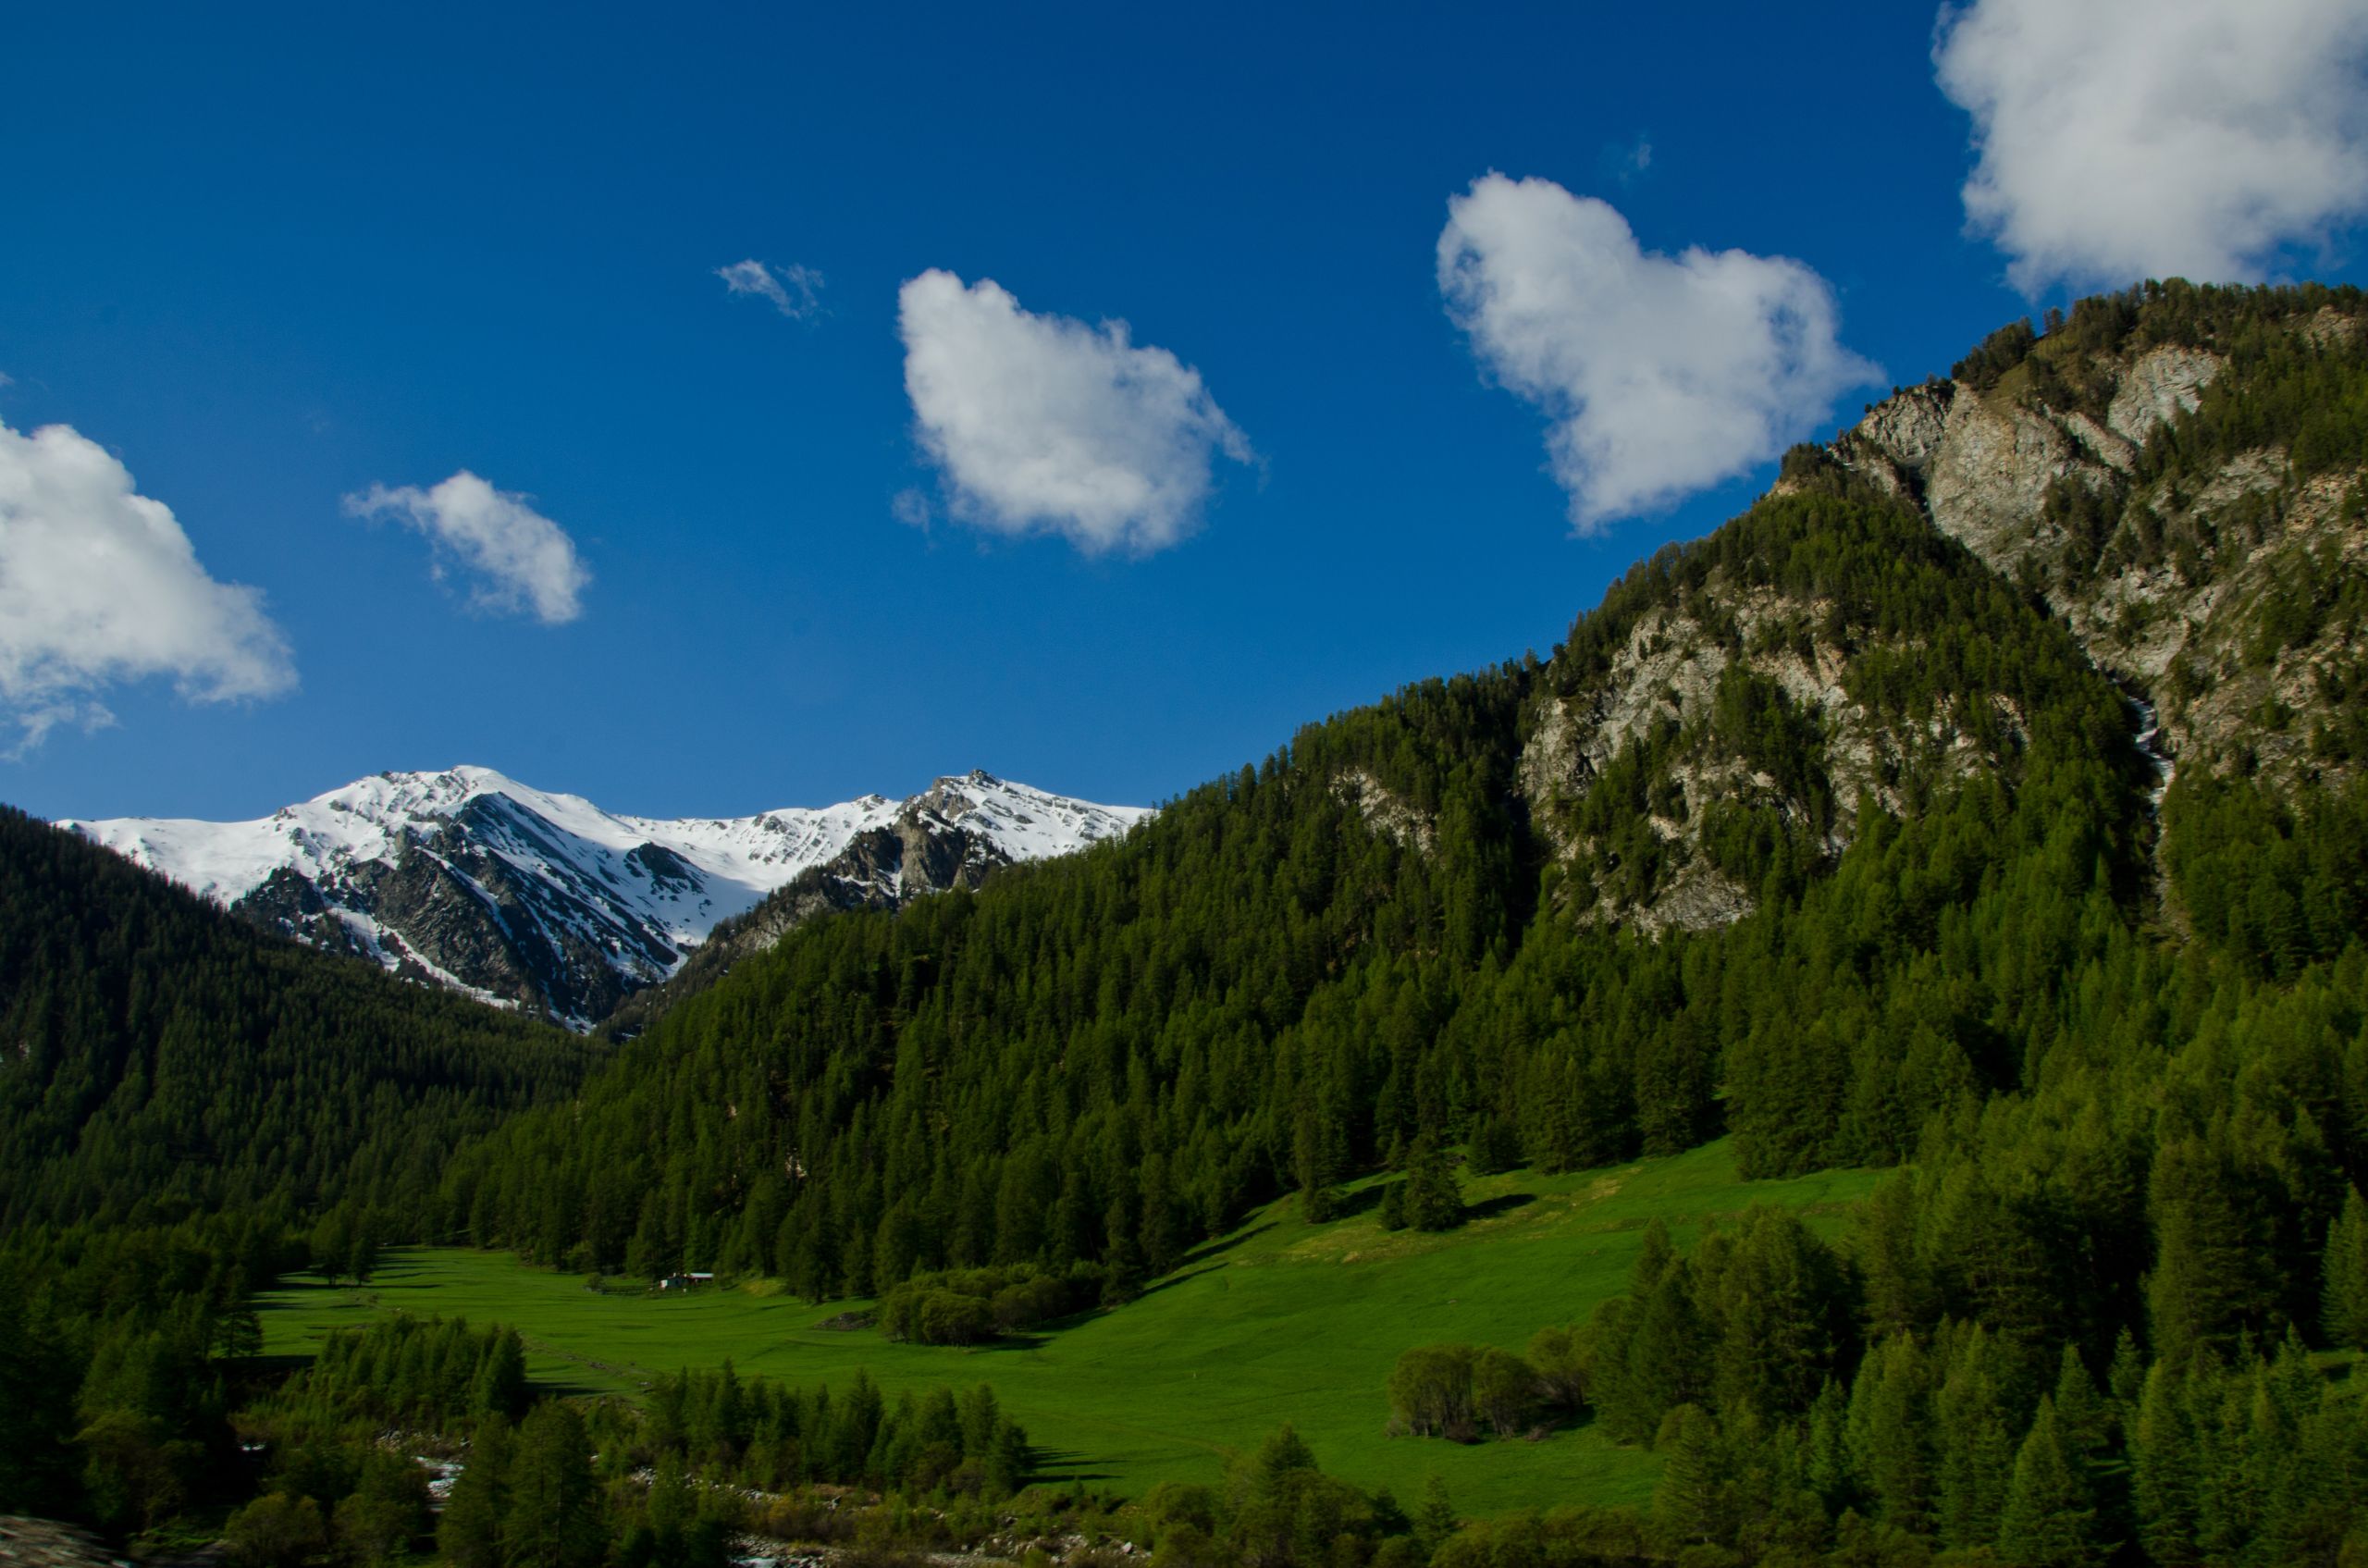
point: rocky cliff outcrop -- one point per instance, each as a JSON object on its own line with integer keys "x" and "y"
{"x": 2202, "y": 570}
{"x": 2150, "y": 475}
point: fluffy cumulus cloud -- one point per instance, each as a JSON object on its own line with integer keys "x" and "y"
{"x": 2123, "y": 139}
{"x": 100, "y": 585}
{"x": 1042, "y": 423}
{"x": 795, "y": 292}
{"x": 519, "y": 561}
{"x": 1661, "y": 375}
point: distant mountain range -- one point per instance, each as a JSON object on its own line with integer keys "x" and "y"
{"x": 547, "y": 903}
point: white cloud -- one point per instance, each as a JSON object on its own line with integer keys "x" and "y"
{"x": 523, "y": 561}
{"x": 1661, "y": 375}
{"x": 795, "y": 292}
{"x": 2125, "y": 139}
{"x": 1043, "y": 424}
{"x": 100, "y": 585}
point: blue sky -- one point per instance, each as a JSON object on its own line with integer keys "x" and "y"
{"x": 269, "y": 263}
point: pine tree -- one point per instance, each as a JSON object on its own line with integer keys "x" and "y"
{"x": 1778, "y": 1296}
{"x": 2163, "y": 1468}
{"x": 1897, "y": 1285}
{"x": 1827, "y": 1460}
{"x": 1663, "y": 1359}
{"x": 1163, "y": 1236}
{"x": 1433, "y": 1198}
{"x": 2080, "y": 1412}
{"x": 1436, "y": 1523}
{"x": 500, "y": 1386}
{"x": 1122, "y": 1266}
{"x": 1977, "y": 1449}
{"x": 1315, "y": 1164}
{"x": 1889, "y": 1434}
{"x": 1656, "y": 1256}
{"x": 2205, "y": 1287}
{"x": 2343, "y": 1274}
{"x": 553, "y": 1516}
{"x": 470, "y": 1532}
{"x": 1007, "y": 1460}
{"x": 1494, "y": 1146}
{"x": 2126, "y": 1381}
{"x": 1072, "y": 1237}
{"x": 1691, "y": 1502}
{"x": 2049, "y": 1520}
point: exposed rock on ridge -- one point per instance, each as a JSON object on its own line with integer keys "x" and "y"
{"x": 2165, "y": 568}
{"x": 545, "y": 902}
{"x": 2102, "y": 472}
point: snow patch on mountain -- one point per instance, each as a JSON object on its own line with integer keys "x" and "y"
{"x": 474, "y": 880}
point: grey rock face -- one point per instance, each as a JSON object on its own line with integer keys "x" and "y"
{"x": 927, "y": 849}
{"x": 546, "y": 903}
{"x": 2163, "y": 583}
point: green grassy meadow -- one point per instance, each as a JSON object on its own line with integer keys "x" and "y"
{"x": 1282, "y": 1321}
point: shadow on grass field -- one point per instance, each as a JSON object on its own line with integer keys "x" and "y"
{"x": 1280, "y": 1321}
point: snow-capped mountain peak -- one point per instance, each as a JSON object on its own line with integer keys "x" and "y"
{"x": 548, "y": 901}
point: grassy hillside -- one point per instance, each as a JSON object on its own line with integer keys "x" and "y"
{"x": 1279, "y": 1321}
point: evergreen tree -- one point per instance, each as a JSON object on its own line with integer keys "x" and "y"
{"x": 1436, "y": 1523}
{"x": 1655, "y": 1258}
{"x": 500, "y": 1386}
{"x": 552, "y": 1518}
{"x": 1827, "y": 1462}
{"x": 1692, "y": 1500}
{"x": 1779, "y": 1309}
{"x": 471, "y": 1532}
{"x": 2085, "y": 1419}
{"x": 1122, "y": 1268}
{"x": 2164, "y": 1469}
{"x": 1433, "y": 1198}
{"x": 2049, "y": 1516}
{"x": 1495, "y": 1146}
{"x": 1318, "y": 1160}
{"x": 1977, "y": 1448}
{"x": 1890, "y": 1434}
{"x": 1663, "y": 1359}
{"x": 2210, "y": 1281}
{"x": 2343, "y": 1273}
{"x": 1898, "y": 1287}
{"x": 2126, "y": 1381}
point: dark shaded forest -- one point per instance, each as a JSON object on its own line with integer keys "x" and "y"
{"x": 164, "y": 1058}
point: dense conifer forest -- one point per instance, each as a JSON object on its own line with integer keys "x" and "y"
{"x": 1260, "y": 990}
{"x": 161, "y": 1058}
{"x": 2109, "y": 1038}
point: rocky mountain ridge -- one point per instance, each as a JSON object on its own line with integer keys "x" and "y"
{"x": 546, "y": 902}
{"x": 2153, "y": 477}
{"x": 2205, "y": 575}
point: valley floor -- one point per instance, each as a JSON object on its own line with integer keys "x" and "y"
{"x": 1281, "y": 1321}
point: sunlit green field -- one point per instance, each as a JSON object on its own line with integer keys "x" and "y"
{"x": 1282, "y": 1321}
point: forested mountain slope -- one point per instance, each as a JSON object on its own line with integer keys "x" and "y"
{"x": 1833, "y": 832}
{"x": 1883, "y": 809}
{"x": 161, "y": 1055}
